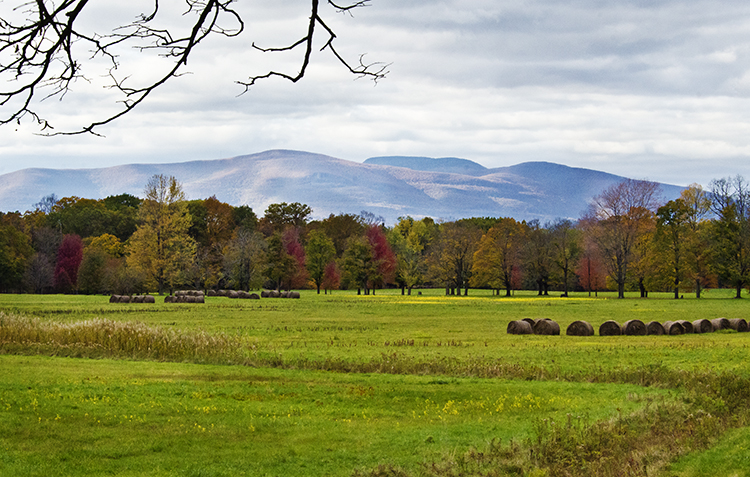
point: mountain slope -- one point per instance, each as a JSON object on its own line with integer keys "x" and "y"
{"x": 447, "y": 188}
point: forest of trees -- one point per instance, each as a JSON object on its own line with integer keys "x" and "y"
{"x": 630, "y": 239}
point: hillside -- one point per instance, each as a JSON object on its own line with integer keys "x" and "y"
{"x": 447, "y": 188}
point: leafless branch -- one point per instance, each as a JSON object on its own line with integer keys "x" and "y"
{"x": 40, "y": 52}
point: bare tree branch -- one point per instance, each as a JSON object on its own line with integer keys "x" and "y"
{"x": 40, "y": 52}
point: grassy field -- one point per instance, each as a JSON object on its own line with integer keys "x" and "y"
{"x": 341, "y": 384}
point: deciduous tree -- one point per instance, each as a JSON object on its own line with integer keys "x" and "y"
{"x": 320, "y": 253}
{"x": 161, "y": 248}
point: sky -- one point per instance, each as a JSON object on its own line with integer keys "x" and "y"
{"x": 646, "y": 89}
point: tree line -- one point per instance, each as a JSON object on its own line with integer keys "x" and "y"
{"x": 629, "y": 239}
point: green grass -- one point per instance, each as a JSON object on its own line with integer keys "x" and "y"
{"x": 408, "y": 355}
{"x": 63, "y": 416}
{"x": 730, "y": 457}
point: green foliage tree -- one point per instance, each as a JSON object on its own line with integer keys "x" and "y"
{"x": 161, "y": 248}
{"x": 280, "y": 265}
{"x": 320, "y": 251}
{"x": 15, "y": 252}
{"x": 278, "y": 217}
{"x": 697, "y": 245}
{"x": 359, "y": 264}
{"x": 670, "y": 238}
{"x": 566, "y": 249}
{"x": 731, "y": 231}
{"x": 245, "y": 260}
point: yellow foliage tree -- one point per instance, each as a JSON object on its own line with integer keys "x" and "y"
{"x": 161, "y": 248}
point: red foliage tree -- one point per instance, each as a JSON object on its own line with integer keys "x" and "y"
{"x": 293, "y": 247}
{"x": 382, "y": 254}
{"x": 69, "y": 258}
{"x": 331, "y": 277}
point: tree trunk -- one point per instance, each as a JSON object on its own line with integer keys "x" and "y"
{"x": 697, "y": 288}
{"x": 739, "y": 290}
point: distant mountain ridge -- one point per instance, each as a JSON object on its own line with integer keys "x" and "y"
{"x": 393, "y": 186}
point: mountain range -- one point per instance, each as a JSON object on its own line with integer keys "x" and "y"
{"x": 393, "y": 186}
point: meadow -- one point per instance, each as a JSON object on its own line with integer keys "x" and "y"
{"x": 365, "y": 385}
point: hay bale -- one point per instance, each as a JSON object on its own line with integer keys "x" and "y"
{"x": 546, "y": 327}
{"x": 200, "y": 299}
{"x": 738, "y": 324}
{"x": 610, "y": 328}
{"x": 273, "y": 294}
{"x": 149, "y": 299}
{"x": 169, "y": 299}
{"x": 189, "y": 299}
{"x": 673, "y": 328}
{"x": 137, "y": 299}
{"x": 655, "y": 328}
{"x": 530, "y": 321}
{"x": 687, "y": 325}
{"x": 702, "y": 326}
{"x": 634, "y": 328}
{"x": 580, "y": 328}
{"x": 114, "y": 299}
{"x": 721, "y": 324}
{"x": 264, "y": 294}
{"x": 243, "y": 295}
{"x": 233, "y": 294}
{"x": 293, "y": 295}
{"x": 519, "y": 327}
{"x": 211, "y": 293}
{"x": 124, "y": 299}
{"x": 222, "y": 293}
{"x": 283, "y": 294}
{"x": 254, "y": 296}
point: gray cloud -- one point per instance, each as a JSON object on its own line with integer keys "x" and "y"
{"x": 646, "y": 89}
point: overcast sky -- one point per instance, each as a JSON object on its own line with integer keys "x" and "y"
{"x": 646, "y": 89}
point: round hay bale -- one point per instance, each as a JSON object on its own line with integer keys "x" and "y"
{"x": 124, "y": 299}
{"x": 211, "y": 293}
{"x": 114, "y": 299}
{"x": 254, "y": 296}
{"x": 655, "y": 328}
{"x": 137, "y": 299}
{"x": 738, "y": 324}
{"x": 233, "y": 294}
{"x": 721, "y": 324}
{"x": 546, "y": 327}
{"x": 673, "y": 328}
{"x": 243, "y": 295}
{"x": 580, "y": 328}
{"x": 702, "y": 326}
{"x": 149, "y": 299}
{"x": 283, "y": 294}
{"x": 519, "y": 327}
{"x": 222, "y": 293}
{"x": 634, "y": 328}
{"x": 264, "y": 294}
{"x": 293, "y": 295}
{"x": 179, "y": 293}
{"x": 530, "y": 321}
{"x": 610, "y": 328}
{"x": 169, "y": 299}
{"x": 189, "y": 299}
{"x": 200, "y": 299}
{"x": 687, "y": 325}
{"x": 273, "y": 294}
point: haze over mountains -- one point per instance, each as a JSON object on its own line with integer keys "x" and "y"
{"x": 444, "y": 188}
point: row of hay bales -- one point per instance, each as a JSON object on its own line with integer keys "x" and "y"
{"x": 545, "y": 326}
{"x": 529, "y": 326}
{"x": 132, "y": 299}
{"x": 184, "y": 299}
{"x": 253, "y": 296}
{"x": 276, "y": 294}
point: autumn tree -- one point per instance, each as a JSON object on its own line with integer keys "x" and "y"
{"x": 69, "y": 257}
{"x": 331, "y": 277}
{"x": 280, "y": 266}
{"x": 616, "y": 221}
{"x": 697, "y": 246}
{"x": 320, "y": 253}
{"x": 298, "y": 277}
{"x": 538, "y": 255}
{"x": 452, "y": 255}
{"x": 498, "y": 256}
{"x": 359, "y": 264}
{"x": 383, "y": 255}
{"x": 340, "y": 228}
{"x": 161, "y": 248}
